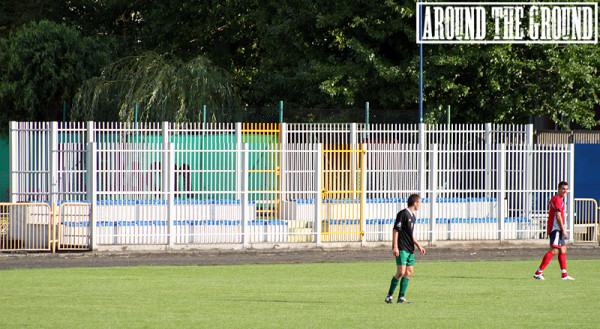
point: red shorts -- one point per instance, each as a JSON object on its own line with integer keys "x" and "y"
{"x": 557, "y": 239}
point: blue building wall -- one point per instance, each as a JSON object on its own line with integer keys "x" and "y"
{"x": 587, "y": 171}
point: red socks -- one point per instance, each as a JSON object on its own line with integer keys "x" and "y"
{"x": 545, "y": 261}
{"x": 562, "y": 260}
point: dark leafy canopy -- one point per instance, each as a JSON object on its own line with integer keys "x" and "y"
{"x": 333, "y": 54}
{"x": 14, "y": 14}
{"x": 43, "y": 65}
{"x": 166, "y": 89}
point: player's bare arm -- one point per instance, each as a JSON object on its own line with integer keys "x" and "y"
{"x": 395, "y": 244}
{"x": 561, "y": 224}
{"x": 421, "y": 248}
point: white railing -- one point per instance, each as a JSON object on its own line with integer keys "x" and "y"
{"x": 189, "y": 184}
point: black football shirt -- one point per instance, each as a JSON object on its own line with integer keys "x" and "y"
{"x": 405, "y": 222}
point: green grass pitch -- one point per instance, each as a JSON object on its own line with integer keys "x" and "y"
{"x": 339, "y": 295}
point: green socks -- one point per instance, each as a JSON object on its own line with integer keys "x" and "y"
{"x": 393, "y": 286}
{"x": 403, "y": 285}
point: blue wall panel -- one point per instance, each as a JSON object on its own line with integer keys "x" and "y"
{"x": 587, "y": 171}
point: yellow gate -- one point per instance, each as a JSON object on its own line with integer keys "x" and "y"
{"x": 585, "y": 228}
{"x": 27, "y": 226}
{"x": 264, "y": 160}
{"x": 342, "y": 193}
{"x": 41, "y": 227}
{"x": 73, "y": 230}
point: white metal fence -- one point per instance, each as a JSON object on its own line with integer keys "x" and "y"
{"x": 182, "y": 185}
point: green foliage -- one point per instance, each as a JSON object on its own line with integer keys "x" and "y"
{"x": 328, "y": 54}
{"x": 338, "y": 295}
{"x": 16, "y": 13}
{"x": 508, "y": 83}
{"x": 332, "y": 55}
{"x": 165, "y": 88}
{"x": 43, "y": 64}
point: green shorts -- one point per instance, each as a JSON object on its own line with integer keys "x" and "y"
{"x": 405, "y": 258}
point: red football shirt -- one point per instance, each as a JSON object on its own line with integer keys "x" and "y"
{"x": 556, "y": 206}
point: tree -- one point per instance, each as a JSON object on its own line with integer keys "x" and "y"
{"x": 16, "y": 13}
{"x": 338, "y": 55}
{"x": 165, "y": 88}
{"x": 43, "y": 65}
{"x": 508, "y": 83}
{"x": 330, "y": 54}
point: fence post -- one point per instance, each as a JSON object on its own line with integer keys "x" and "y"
{"x": 165, "y": 160}
{"x": 433, "y": 159}
{"x": 363, "y": 193}
{"x": 92, "y": 188}
{"x": 488, "y": 166}
{"x": 318, "y": 183}
{"x": 13, "y": 139}
{"x": 501, "y": 190}
{"x": 171, "y": 196}
{"x": 571, "y": 194}
{"x": 244, "y": 195}
{"x": 166, "y": 173}
{"x": 92, "y": 182}
{"x": 53, "y": 164}
{"x": 280, "y": 111}
{"x": 528, "y": 170}
{"x": 353, "y": 147}
{"x": 422, "y": 146}
{"x": 238, "y": 160}
{"x": 282, "y": 165}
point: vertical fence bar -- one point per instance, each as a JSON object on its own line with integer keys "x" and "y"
{"x": 571, "y": 174}
{"x": 244, "y": 195}
{"x": 433, "y": 190}
{"x": 53, "y": 163}
{"x": 318, "y": 163}
{"x": 13, "y": 140}
{"x": 91, "y": 186}
{"x": 488, "y": 166}
{"x": 171, "y": 196}
{"x": 528, "y": 171}
{"x": 239, "y": 158}
{"x": 280, "y": 111}
{"x": 352, "y": 147}
{"x": 422, "y": 147}
{"x": 501, "y": 190}
{"x": 282, "y": 170}
{"x": 166, "y": 173}
{"x": 363, "y": 193}
{"x": 53, "y": 152}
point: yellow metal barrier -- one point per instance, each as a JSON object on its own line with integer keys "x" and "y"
{"x": 342, "y": 193}
{"x": 585, "y": 228}
{"x": 27, "y": 226}
{"x": 265, "y": 178}
{"x": 73, "y": 225}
